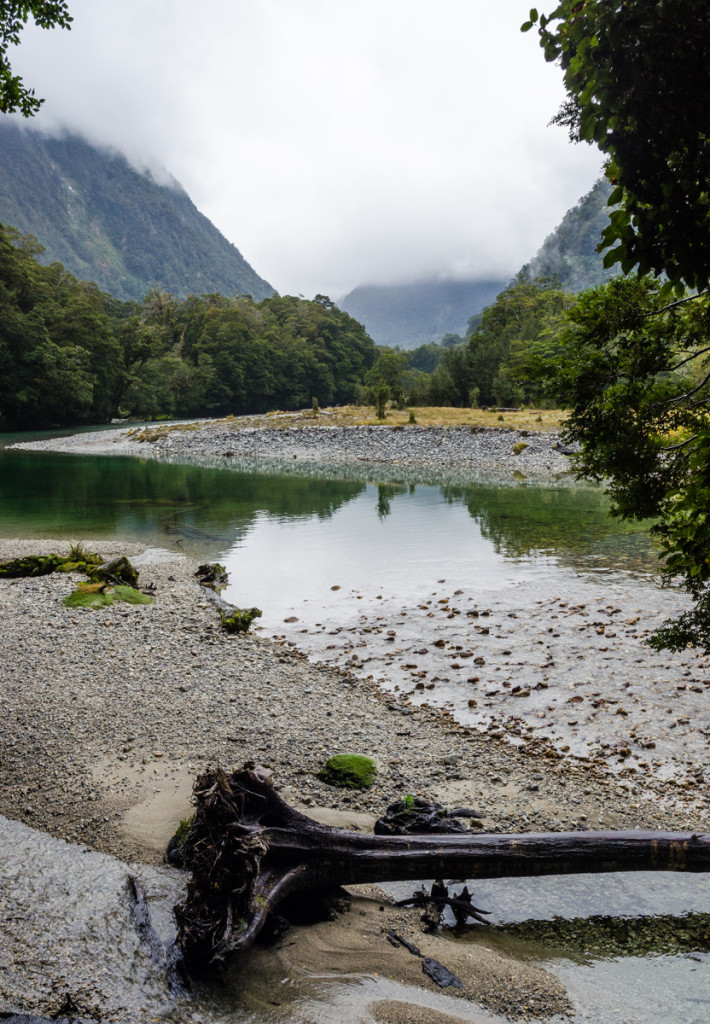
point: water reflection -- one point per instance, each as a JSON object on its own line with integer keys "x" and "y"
{"x": 205, "y": 510}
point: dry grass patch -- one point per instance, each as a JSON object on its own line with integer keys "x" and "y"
{"x": 539, "y": 420}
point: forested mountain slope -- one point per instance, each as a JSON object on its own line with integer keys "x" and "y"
{"x": 569, "y": 253}
{"x": 108, "y": 223}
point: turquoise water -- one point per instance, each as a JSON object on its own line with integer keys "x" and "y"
{"x": 208, "y": 512}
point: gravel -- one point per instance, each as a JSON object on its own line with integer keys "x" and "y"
{"x": 97, "y": 703}
{"x": 412, "y": 452}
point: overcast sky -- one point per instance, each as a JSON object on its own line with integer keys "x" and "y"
{"x": 335, "y": 142}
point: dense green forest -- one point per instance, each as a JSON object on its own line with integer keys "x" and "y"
{"x": 107, "y": 222}
{"x": 500, "y": 362}
{"x": 71, "y": 354}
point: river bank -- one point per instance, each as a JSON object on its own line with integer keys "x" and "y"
{"x": 286, "y": 442}
{"x": 110, "y": 713}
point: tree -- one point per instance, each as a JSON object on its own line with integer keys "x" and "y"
{"x": 524, "y": 318}
{"x": 14, "y": 95}
{"x": 637, "y": 366}
{"x": 637, "y": 77}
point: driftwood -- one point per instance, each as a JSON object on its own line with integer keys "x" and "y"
{"x": 249, "y": 851}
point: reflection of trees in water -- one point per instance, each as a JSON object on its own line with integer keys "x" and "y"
{"x": 573, "y": 523}
{"x": 43, "y": 491}
{"x": 384, "y": 493}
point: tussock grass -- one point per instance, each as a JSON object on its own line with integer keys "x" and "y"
{"x": 538, "y": 420}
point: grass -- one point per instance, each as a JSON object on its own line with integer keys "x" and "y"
{"x": 537, "y": 420}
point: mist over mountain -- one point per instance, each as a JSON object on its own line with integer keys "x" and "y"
{"x": 410, "y": 315}
{"x": 109, "y": 223}
{"x": 569, "y": 253}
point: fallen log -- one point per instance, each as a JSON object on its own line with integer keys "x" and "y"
{"x": 249, "y": 851}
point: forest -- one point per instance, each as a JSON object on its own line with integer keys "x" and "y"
{"x": 71, "y": 354}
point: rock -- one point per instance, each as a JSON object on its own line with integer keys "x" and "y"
{"x": 349, "y": 771}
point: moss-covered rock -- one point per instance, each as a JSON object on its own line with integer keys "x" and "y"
{"x": 175, "y": 853}
{"x": 349, "y": 771}
{"x": 211, "y": 573}
{"x": 100, "y": 596}
{"x": 78, "y": 560}
{"x": 239, "y": 620}
{"x": 119, "y": 571}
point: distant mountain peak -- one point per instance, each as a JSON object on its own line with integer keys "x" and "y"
{"x": 414, "y": 314}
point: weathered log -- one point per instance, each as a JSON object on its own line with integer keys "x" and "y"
{"x": 249, "y": 851}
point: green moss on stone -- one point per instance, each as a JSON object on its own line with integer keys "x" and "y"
{"x": 239, "y": 620}
{"x": 118, "y": 571}
{"x": 77, "y": 560}
{"x": 90, "y": 598}
{"x": 349, "y": 771}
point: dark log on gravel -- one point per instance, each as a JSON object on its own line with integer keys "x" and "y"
{"x": 248, "y": 851}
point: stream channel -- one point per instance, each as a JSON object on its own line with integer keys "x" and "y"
{"x": 520, "y": 608}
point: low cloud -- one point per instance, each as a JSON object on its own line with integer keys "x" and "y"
{"x": 334, "y": 143}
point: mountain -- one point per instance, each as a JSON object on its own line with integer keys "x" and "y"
{"x": 109, "y": 223}
{"x": 569, "y": 253}
{"x": 410, "y": 315}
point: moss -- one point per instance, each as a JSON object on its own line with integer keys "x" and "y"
{"x": 97, "y": 596}
{"x": 349, "y": 771}
{"x": 33, "y": 565}
{"x": 130, "y": 595}
{"x": 211, "y": 573}
{"x": 519, "y": 447}
{"x": 240, "y": 619}
{"x": 176, "y": 852}
{"x": 78, "y": 553}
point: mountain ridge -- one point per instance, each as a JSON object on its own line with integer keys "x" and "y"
{"x": 109, "y": 223}
{"x": 417, "y": 313}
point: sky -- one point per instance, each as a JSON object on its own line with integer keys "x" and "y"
{"x": 334, "y": 142}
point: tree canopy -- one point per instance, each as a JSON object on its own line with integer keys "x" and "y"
{"x": 635, "y": 366}
{"x": 637, "y": 77}
{"x": 70, "y": 353}
{"x": 14, "y": 94}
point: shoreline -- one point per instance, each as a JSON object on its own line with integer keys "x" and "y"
{"x": 413, "y": 453}
{"x": 121, "y": 707}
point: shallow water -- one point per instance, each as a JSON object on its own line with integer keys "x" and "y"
{"x": 629, "y": 948}
{"x": 72, "y": 908}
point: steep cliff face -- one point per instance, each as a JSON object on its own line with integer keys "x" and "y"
{"x": 108, "y": 223}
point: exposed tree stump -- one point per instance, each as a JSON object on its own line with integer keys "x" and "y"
{"x": 248, "y": 851}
